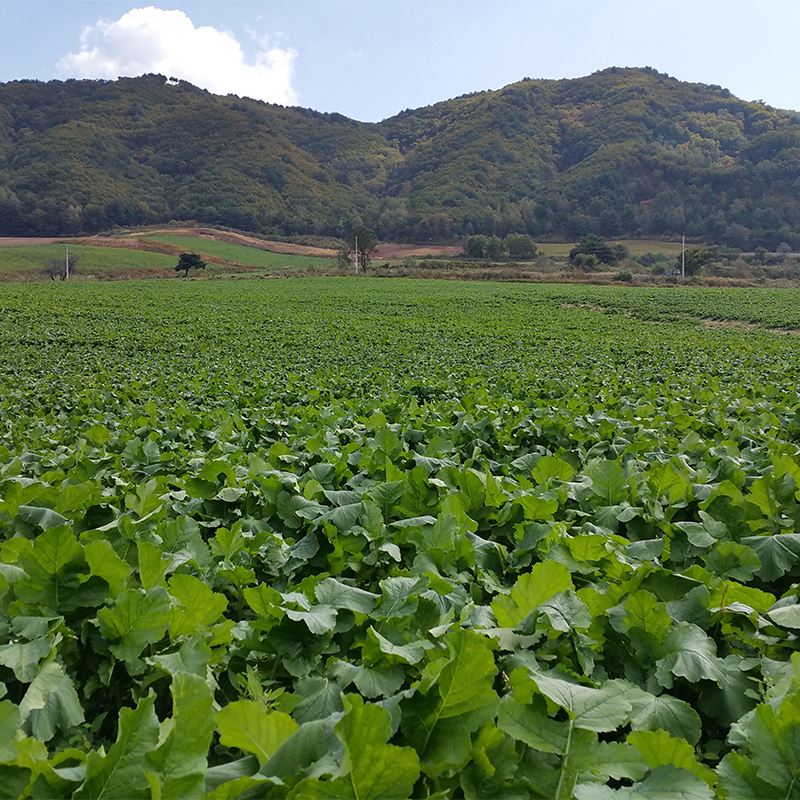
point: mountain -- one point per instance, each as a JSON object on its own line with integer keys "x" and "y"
{"x": 622, "y": 153}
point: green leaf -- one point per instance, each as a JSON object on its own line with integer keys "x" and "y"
{"x": 774, "y": 744}
{"x": 106, "y": 564}
{"x": 370, "y": 682}
{"x": 318, "y": 619}
{"x": 376, "y": 646}
{"x": 605, "y": 759}
{"x": 664, "y": 712}
{"x": 525, "y": 724}
{"x": 786, "y": 616}
{"x": 777, "y": 554}
{"x": 738, "y": 776}
{"x": 339, "y": 595}
{"x": 690, "y": 654}
{"x": 733, "y": 560}
{"x": 660, "y": 749}
{"x": 152, "y": 565}
{"x": 24, "y": 657}
{"x": 546, "y": 579}
{"x": 200, "y": 607}
{"x": 608, "y": 481}
{"x": 644, "y": 612}
{"x": 565, "y": 611}
{"x": 535, "y": 507}
{"x": 370, "y": 767}
{"x": 13, "y": 781}
{"x": 179, "y": 764}
{"x": 227, "y": 543}
{"x": 137, "y": 619}
{"x": 601, "y": 710}
{"x": 42, "y": 518}
{"x": 265, "y": 601}
{"x": 52, "y": 564}
{"x": 549, "y": 468}
{"x": 10, "y": 721}
{"x": 438, "y": 726}
{"x": 399, "y": 597}
{"x": 663, "y": 783}
{"x": 50, "y": 704}
{"x": 121, "y": 773}
{"x": 386, "y": 495}
{"x": 247, "y": 725}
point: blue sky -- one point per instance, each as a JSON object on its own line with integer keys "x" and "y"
{"x": 369, "y": 59}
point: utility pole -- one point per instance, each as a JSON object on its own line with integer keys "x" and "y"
{"x": 683, "y": 255}
{"x": 66, "y": 265}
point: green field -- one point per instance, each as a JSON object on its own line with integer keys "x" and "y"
{"x": 90, "y": 258}
{"x": 250, "y": 256}
{"x": 636, "y": 247}
{"x": 362, "y": 538}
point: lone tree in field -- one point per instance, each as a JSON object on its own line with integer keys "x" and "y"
{"x": 367, "y": 242}
{"x": 189, "y": 261}
{"x": 56, "y": 268}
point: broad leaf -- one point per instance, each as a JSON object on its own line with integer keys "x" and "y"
{"x": 546, "y": 579}
{"x": 138, "y": 618}
{"x": 121, "y": 773}
{"x": 250, "y": 727}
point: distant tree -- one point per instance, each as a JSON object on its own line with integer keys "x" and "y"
{"x": 696, "y": 260}
{"x": 783, "y": 249}
{"x": 588, "y": 262}
{"x": 596, "y": 246}
{"x": 476, "y": 246}
{"x": 56, "y": 268}
{"x": 367, "y": 243}
{"x": 760, "y": 255}
{"x": 189, "y": 261}
{"x": 520, "y": 247}
{"x": 495, "y": 248}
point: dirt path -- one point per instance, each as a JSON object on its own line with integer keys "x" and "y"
{"x": 284, "y": 248}
{"x": 18, "y": 241}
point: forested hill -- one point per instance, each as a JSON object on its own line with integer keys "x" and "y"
{"x": 622, "y": 153}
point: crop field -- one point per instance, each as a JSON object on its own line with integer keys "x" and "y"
{"x": 249, "y": 256}
{"x": 90, "y": 258}
{"x": 358, "y": 538}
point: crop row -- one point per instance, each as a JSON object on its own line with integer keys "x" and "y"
{"x": 320, "y": 538}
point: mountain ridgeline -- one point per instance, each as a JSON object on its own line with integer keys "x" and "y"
{"x": 620, "y": 153}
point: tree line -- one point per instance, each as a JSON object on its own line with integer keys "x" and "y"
{"x": 618, "y": 154}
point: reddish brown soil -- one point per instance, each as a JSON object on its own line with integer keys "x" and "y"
{"x": 387, "y": 250}
{"x": 10, "y": 241}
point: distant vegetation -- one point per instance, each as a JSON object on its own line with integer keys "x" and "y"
{"x": 623, "y": 153}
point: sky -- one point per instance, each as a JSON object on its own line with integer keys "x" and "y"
{"x": 370, "y": 59}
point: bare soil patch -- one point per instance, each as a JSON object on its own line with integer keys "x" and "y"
{"x": 387, "y": 250}
{"x": 284, "y": 248}
{"x": 742, "y": 325}
{"x": 20, "y": 241}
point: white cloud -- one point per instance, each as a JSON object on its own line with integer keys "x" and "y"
{"x": 167, "y": 42}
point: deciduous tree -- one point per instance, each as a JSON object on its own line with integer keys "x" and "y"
{"x": 189, "y": 261}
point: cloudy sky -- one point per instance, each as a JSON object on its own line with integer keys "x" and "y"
{"x": 369, "y": 59}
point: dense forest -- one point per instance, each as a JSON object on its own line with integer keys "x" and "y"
{"x": 620, "y": 153}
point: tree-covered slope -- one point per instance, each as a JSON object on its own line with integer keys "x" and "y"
{"x": 623, "y": 152}
{"x": 87, "y": 155}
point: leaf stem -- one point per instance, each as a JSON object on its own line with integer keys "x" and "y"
{"x": 565, "y": 761}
